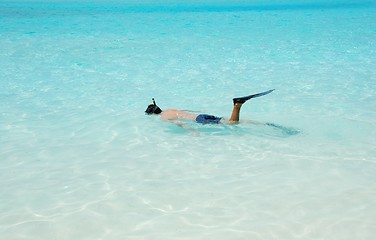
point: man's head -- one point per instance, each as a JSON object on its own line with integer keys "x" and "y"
{"x": 153, "y": 108}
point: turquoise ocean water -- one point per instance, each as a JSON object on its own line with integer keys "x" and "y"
{"x": 80, "y": 160}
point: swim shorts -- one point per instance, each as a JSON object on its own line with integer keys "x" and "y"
{"x": 208, "y": 119}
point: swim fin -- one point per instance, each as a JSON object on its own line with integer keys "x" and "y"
{"x": 285, "y": 130}
{"x": 246, "y": 98}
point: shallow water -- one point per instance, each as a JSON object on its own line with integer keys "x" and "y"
{"x": 80, "y": 160}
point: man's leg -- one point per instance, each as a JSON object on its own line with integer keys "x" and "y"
{"x": 238, "y": 102}
{"x": 236, "y": 112}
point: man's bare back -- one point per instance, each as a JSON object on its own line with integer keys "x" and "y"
{"x": 173, "y": 114}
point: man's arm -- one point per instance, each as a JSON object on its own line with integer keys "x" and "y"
{"x": 185, "y": 126}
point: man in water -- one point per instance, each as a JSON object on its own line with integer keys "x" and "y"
{"x": 174, "y": 115}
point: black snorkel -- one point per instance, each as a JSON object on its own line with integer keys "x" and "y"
{"x": 153, "y": 108}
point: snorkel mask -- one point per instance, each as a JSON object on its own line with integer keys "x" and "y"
{"x": 153, "y": 108}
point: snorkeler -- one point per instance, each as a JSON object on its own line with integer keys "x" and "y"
{"x": 174, "y": 115}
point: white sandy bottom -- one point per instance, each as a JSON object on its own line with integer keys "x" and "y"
{"x": 80, "y": 160}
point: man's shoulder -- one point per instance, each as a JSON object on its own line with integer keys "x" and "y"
{"x": 168, "y": 113}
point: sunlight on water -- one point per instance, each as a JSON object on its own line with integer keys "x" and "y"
{"x": 80, "y": 159}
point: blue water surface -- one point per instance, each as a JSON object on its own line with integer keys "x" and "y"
{"x": 79, "y": 159}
